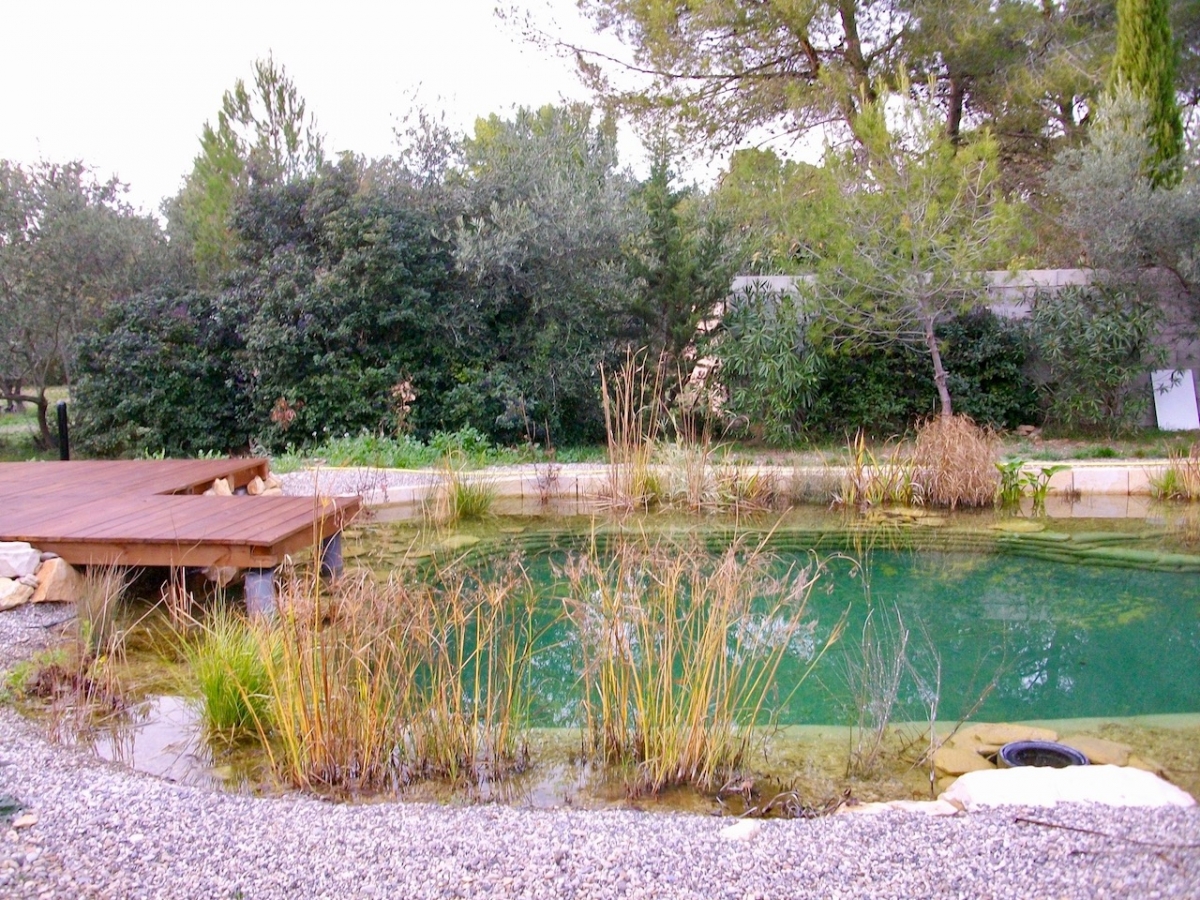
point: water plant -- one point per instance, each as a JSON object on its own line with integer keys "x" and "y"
{"x": 226, "y": 663}
{"x": 1180, "y": 480}
{"x": 953, "y": 460}
{"x": 400, "y": 680}
{"x": 632, "y": 423}
{"x": 1016, "y": 481}
{"x": 97, "y": 611}
{"x": 870, "y": 480}
{"x": 679, "y": 652}
{"x": 461, "y": 495}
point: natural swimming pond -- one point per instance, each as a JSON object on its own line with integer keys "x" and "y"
{"x": 1006, "y": 620}
{"x": 1009, "y": 631}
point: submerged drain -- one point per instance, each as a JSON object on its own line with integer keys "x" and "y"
{"x": 1040, "y": 753}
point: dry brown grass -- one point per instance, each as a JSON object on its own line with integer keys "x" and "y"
{"x": 955, "y": 462}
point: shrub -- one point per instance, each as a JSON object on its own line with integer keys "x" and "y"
{"x": 955, "y": 462}
{"x": 158, "y": 373}
{"x": 1097, "y": 343}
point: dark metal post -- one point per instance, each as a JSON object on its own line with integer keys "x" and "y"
{"x": 64, "y": 433}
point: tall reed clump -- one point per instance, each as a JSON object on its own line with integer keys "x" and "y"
{"x": 680, "y": 652}
{"x": 631, "y": 399}
{"x": 955, "y": 462}
{"x": 405, "y": 681}
{"x": 462, "y": 496}
{"x": 98, "y": 609}
{"x": 228, "y": 665}
{"x": 1180, "y": 480}
{"x": 872, "y": 480}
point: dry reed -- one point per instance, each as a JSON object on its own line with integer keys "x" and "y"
{"x": 680, "y": 652}
{"x": 955, "y": 462}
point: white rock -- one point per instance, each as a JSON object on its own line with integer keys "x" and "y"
{"x": 1046, "y": 786}
{"x": 26, "y": 821}
{"x": 926, "y": 807}
{"x": 742, "y": 830}
{"x": 17, "y": 558}
{"x": 13, "y": 593}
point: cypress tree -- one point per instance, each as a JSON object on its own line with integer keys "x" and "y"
{"x": 1146, "y": 61}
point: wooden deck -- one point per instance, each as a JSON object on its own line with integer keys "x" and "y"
{"x": 152, "y": 513}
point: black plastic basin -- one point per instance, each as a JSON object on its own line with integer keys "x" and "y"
{"x": 1040, "y": 753}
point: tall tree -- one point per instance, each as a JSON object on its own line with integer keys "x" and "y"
{"x": 1146, "y": 62}
{"x": 681, "y": 264}
{"x": 917, "y": 221}
{"x": 546, "y": 208}
{"x": 69, "y": 247}
{"x": 264, "y": 132}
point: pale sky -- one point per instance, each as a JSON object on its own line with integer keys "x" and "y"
{"x": 126, "y": 85}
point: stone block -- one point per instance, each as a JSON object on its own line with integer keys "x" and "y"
{"x": 1102, "y": 480}
{"x": 221, "y": 488}
{"x": 1047, "y": 786}
{"x": 17, "y": 558}
{"x": 956, "y": 761}
{"x": 988, "y": 737}
{"x": 13, "y": 593}
{"x": 58, "y": 582}
{"x": 256, "y": 486}
{"x": 1099, "y": 751}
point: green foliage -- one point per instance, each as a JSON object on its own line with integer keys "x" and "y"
{"x": 69, "y": 247}
{"x": 1098, "y": 343}
{"x": 339, "y": 299}
{"x": 767, "y": 365}
{"x": 263, "y": 131}
{"x": 227, "y": 666}
{"x": 783, "y": 382}
{"x": 1124, "y": 222}
{"x": 680, "y": 265}
{"x": 1145, "y": 63}
{"x": 546, "y": 211}
{"x": 905, "y": 241}
{"x": 158, "y": 374}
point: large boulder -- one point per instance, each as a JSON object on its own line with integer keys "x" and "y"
{"x": 1047, "y": 786}
{"x": 58, "y": 582}
{"x": 13, "y": 593}
{"x": 987, "y": 738}
{"x": 17, "y": 558}
{"x": 958, "y": 761}
{"x": 1099, "y": 751}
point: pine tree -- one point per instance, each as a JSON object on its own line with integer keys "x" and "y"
{"x": 1146, "y": 61}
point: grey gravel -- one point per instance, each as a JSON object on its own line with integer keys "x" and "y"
{"x": 107, "y": 832}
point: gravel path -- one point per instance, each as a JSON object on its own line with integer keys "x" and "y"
{"x": 106, "y": 832}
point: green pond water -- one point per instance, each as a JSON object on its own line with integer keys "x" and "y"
{"x": 1006, "y": 620}
{"x": 1006, "y": 632}
{"x": 1014, "y": 640}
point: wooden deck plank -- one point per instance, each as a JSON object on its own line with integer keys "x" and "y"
{"x": 151, "y": 512}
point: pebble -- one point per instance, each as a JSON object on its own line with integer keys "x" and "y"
{"x": 108, "y": 833}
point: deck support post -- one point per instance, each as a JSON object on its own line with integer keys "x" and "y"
{"x": 260, "y": 593}
{"x": 331, "y": 555}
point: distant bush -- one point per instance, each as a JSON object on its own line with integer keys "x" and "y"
{"x": 158, "y": 374}
{"x": 1097, "y": 344}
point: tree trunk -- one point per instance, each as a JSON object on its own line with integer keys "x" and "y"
{"x": 47, "y": 441}
{"x": 939, "y": 371}
{"x": 955, "y": 110}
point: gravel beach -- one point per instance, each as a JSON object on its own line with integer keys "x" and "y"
{"x": 106, "y": 832}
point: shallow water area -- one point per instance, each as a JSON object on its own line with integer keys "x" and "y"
{"x": 1012, "y": 628}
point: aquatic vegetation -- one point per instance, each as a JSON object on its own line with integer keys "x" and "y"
{"x": 460, "y": 495}
{"x": 632, "y": 422}
{"x": 953, "y": 460}
{"x": 99, "y": 632}
{"x": 1180, "y": 480}
{"x": 227, "y": 664}
{"x": 870, "y": 480}
{"x": 402, "y": 681}
{"x": 679, "y": 651}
